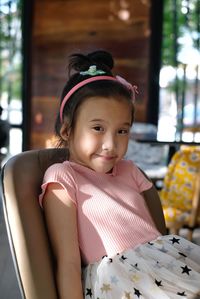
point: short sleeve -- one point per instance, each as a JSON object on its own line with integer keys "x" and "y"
{"x": 62, "y": 174}
{"x": 141, "y": 181}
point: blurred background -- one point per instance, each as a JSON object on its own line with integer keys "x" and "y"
{"x": 156, "y": 46}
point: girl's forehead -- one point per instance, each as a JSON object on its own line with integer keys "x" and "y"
{"x": 103, "y": 107}
{"x": 100, "y": 101}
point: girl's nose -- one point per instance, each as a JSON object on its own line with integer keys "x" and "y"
{"x": 109, "y": 143}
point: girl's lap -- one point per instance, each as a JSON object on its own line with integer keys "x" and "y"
{"x": 168, "y": 267}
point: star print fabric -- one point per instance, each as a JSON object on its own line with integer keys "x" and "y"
{"x": 166, "y": 268}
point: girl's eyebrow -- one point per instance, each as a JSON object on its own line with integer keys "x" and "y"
{"x": 102, "y": 120}
{"x": 127, "y": 124}
{"x": 96, "y": 119}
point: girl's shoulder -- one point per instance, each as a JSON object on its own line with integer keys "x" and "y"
{"x": 63, "y": 174}
{"x": 60, "y": 165}
{"x": 59, "y": 170}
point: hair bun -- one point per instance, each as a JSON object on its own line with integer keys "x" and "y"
{"x": 80, "y": 62}
{"x": 101, "y": 57}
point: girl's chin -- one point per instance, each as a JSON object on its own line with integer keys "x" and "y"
{"x": 103, "y": 169}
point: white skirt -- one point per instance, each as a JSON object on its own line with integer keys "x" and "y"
{"x": 168, "y": 267}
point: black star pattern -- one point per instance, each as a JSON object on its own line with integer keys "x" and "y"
{"x": 122, "y": 258}
{"x": 186, "y": 270}
{"x": 110, "y": 260}
{"x": 104, "y": 256}
{"x": 89, "y": 292}
{"x": 174, "y": 240}
{"x": 158, "y": 283}
{"x": 183, "y": 294}
{"x": 136, "y": 265}
{"x": 150, "y": 243}
{"x": 137, "y": 292}
{"x": 182, "y": 254}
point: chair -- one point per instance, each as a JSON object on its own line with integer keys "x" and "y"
{"x": 31, "y": 251}
{"x": 21, "y": 179}
{"x": 180, "y": 196}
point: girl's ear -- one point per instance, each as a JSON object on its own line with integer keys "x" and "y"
{"x": 64, "y": 132}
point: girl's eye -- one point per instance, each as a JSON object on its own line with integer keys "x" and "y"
{"x": 123, "y": 132}
{"x": 98, "y": 129}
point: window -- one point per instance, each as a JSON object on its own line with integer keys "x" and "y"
{"x": 179, "y": 100}
{"x": 11, "y": 72}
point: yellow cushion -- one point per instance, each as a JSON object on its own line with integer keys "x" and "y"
{"x": 174, "y": 215}
{"x": 180, "y": 180}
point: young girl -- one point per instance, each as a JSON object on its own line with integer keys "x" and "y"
{"x": 103, "y": 215}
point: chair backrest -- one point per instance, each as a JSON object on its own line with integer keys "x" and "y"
{"x": 21, "y": 180}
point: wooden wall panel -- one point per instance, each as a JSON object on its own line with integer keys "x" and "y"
{"x": 64, "y": 27}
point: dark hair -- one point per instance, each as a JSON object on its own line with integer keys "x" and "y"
{"x": 102, "y": 88}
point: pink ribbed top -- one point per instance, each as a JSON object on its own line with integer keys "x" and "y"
{"x": 112, "y": 214}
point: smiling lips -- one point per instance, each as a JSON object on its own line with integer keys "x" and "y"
{"x": 106, "y": 158}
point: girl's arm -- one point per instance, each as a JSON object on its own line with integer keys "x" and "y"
{"x": 155, "y": 208}
{"x": 60, "y": 214}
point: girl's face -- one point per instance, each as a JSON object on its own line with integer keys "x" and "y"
{"x": 101, "y": 133}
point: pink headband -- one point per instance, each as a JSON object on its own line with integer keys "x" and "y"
{"x": 92, "y": 79}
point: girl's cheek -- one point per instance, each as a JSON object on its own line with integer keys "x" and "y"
{"x": 86, "y": 142}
